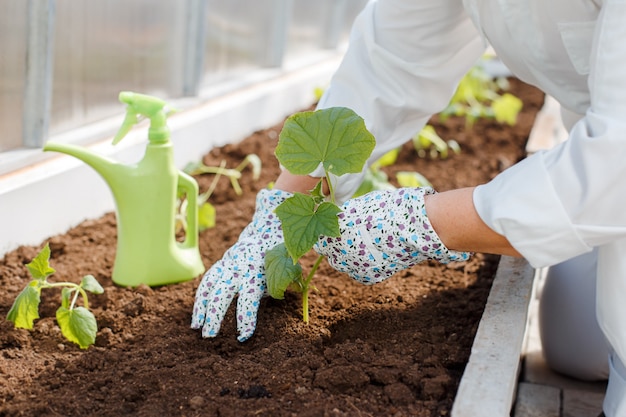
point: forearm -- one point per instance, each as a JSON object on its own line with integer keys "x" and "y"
{"x": 451, "y": 213}
{"x": 457, "y": 223}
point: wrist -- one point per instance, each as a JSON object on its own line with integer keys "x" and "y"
{"x": 296, "y": 183}
{"x": 455, "y": 220}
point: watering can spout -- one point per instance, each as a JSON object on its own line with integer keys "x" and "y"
{"x": 106, "y": 167}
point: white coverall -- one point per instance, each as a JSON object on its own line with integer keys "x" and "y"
{"x": 403, "y": 64}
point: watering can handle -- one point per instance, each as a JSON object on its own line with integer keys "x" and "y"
{"x": 189, "y": 186}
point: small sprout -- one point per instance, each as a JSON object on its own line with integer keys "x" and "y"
{"x": 233, "y": 175}
{"x": 412, "y": 179}
{"x": 427, "y": 140}
{"x": 506, "y": 108}
{"x": 206, "y": 211}
{"x": 478, "y": 96}
{"x": 77, "y": 323}
{"x": 387, "y": 159}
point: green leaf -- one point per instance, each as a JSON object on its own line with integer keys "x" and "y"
{"x": 388, "y": 159}
{"x": 25, "y": 309}
{"x": 412, "y": 179}
{"x": 336, "y": 137}
{"x": 303, "y": 223}
{"x": 89, "y": 283}
{"x": 280, "y": 271}
{"x": 78, "y": 325}
{"x": 40, "y": 267}
{"x": 206, "y": 216}
{"x": 506, "y": 108}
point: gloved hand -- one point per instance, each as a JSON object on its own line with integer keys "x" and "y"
{"x": 384, "y": 232}
{"x": 241, "y": 270}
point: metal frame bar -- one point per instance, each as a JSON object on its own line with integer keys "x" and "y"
{"x": 39, "y": 68}
{"x": 194, "y": 45}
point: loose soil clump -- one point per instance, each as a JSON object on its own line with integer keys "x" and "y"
{"x": 397, "y": 348}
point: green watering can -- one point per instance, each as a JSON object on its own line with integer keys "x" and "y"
{"x": 145, "y": 195}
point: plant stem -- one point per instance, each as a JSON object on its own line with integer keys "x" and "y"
{"x": 232, "y": 173}
{"x": 75, "y": 286}
{"x": 74, "y": 300}
{"x": 305, "y": 289}
{"x": 214, "y": 182}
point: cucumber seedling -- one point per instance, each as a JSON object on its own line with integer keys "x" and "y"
{"x": 337, "y": 140}
{"x": 77, "y": 323}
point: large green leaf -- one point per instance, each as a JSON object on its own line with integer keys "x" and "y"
{"x": 336, "y": 137}
{"x": 25, "y": 309}
{"x": 304, "y": 222}
{"x": 280, "y": 271}
{"x": 40, "y": 267}
{"x": 78, "y": 325}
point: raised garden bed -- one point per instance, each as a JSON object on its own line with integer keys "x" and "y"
{"x": 398, "y": 348}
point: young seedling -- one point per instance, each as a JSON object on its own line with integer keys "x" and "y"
{"x": 77, "y": 323}
{"x": 428, "y": 140}
{"x": 206, "y": 211}
{"x": 479, "y": 95}
{"x": 336, "y": 139}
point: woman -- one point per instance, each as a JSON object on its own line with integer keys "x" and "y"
{"x": 403, "y": 64}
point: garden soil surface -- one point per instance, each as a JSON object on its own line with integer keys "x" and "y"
{"x": 397, "y": 348}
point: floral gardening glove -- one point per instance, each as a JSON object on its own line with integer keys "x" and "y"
{"x": 384, "y": 232}
{"x": 241, "y": 270}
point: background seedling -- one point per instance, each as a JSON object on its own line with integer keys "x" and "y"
{"x": 478, "y": 95}
{"x": 77, "y": 323}
{"x": 206, "y": 211}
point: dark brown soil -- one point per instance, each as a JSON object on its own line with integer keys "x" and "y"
{"x": 393, "y": 349}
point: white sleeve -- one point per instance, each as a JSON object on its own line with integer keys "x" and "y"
{"x": 404, "y": 61}
{"x": 561, "y": 203}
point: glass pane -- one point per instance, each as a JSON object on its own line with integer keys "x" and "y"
{"x": 102, "y": 48}
{"x": 238, "y": 34}
{"x": 324, "y": 24}
{"x": 308, "y": 24}
{"x": 13, "y": 30}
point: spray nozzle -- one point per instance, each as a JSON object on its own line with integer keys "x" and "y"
{"x": 148, "y": 106}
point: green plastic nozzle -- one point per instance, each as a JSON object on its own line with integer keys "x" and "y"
{"x": 147, "y": 106}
